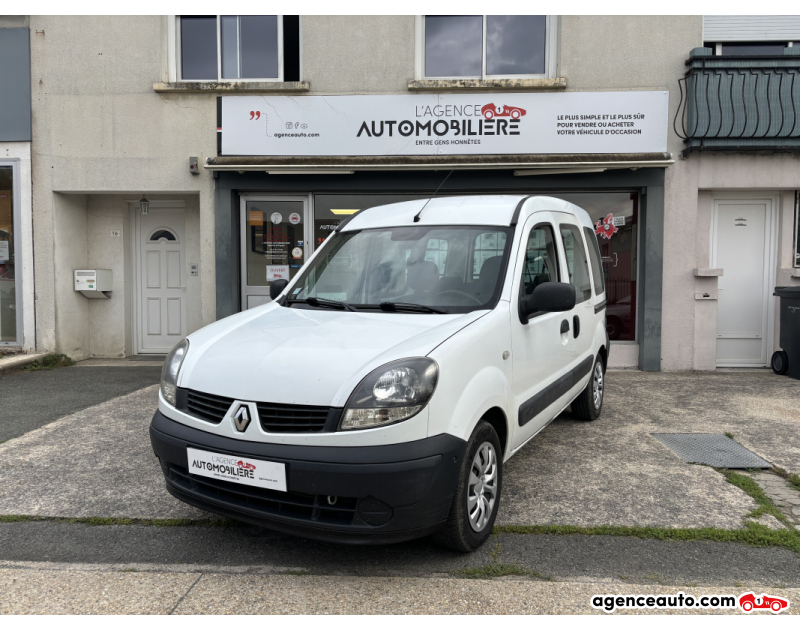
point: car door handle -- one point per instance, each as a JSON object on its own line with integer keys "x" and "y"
{"x": 564, "y": 327}
{"x": 576, "y": 326}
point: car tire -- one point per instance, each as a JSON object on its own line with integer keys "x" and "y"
{"x": 613, "y": 327}
{"x": 482, "y": 455}
{"x": 589, "y": 403}
{"x": 780, "y": 362}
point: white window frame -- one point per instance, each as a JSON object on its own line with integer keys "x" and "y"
{"x": 550, "y": 54}
{"x": 174, "y": 50}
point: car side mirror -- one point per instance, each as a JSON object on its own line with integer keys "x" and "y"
{"x": 277, "y": 287}
{"x": 548, "y": 297}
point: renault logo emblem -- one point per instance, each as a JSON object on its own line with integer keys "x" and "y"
{"x": 241, "y": 419}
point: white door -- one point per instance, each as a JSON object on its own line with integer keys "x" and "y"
{"x": 162, "y": 281}
{"x": 539, "y": 350}
{"x": 742, "y": 247}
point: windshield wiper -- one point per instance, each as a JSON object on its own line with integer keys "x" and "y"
{"x": 324, "y": 303}
{"x": 406, "y": 306}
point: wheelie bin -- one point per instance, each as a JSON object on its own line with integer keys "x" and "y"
{"x": 787, "y": 359}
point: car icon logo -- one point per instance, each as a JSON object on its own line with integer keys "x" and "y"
{"x": 241, "y": 419}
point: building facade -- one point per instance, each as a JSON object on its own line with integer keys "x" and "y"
{"x": 247, "y": 138}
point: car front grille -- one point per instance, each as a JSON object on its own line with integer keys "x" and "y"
{"x": 292, "y": 418}
{"x": 307, "y": 507}
{"x": 207, "y": 407}
{"x": 274, "y": 417}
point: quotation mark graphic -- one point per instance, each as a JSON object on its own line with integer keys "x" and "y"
{"x": 255, "y": 115}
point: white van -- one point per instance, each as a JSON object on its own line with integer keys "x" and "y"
{"x": 377, "y": 397}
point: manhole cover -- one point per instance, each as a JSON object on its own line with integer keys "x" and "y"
{"x": 712, "y": 449}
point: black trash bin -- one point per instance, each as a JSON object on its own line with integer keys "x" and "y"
{"x": 787, "y": 360}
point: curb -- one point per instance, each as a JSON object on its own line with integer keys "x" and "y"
{"x": 14, "y": 362}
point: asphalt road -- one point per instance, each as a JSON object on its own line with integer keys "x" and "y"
{"x": 32, "y": 399}
{"x": 620, "y": 559}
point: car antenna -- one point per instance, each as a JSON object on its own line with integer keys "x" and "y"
{"x": 416, "y": 218}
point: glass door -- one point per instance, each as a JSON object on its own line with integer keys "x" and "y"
{"x": 274, "y": 243}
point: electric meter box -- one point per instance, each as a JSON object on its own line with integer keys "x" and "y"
{"x": 94, "y": 283}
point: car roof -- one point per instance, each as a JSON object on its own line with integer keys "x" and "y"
{"x": 497, "y": 210}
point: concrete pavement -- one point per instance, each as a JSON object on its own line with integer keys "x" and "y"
{"x": 78, "y": 590}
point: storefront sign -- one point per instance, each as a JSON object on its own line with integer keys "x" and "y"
{"x": 277, "y": 272}
{"x": 446, "y": 124}
{"x": 255, "y": 217}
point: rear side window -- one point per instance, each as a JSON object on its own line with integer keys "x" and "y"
{"x": 577, "y": 264}
{"x": 594, "y": 259}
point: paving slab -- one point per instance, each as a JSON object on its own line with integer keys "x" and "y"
{"x": 74, "y": 592}
{"x": 98, "y": 461}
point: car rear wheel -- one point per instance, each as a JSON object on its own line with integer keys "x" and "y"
{"x": 776, "y": 606}
{"x": 515, "y": 114}
{"x": 488, "y": 114}
{"x": 477, "y": 496}
{"x": 747, "y": 606}
{"x": 589, "y": 403}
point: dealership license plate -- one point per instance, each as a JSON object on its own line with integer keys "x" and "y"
{"x": 249, "y": 472}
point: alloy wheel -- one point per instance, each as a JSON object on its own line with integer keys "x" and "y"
{"x": 597, "y": 385}
{"x": 482, "y": 490}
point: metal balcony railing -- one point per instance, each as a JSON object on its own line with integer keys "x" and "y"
{"x": 742, "y": 103}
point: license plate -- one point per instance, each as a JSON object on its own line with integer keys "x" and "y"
{"x": 246, "y": 471}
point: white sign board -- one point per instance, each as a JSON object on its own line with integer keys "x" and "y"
{"x": 277, "y": 272}
{"x": 446, "y": 124}
{"x": 243, "y": 470}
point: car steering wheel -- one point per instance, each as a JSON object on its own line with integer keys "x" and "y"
{"x": 475, "y": 300}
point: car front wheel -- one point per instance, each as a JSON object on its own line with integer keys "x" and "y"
{"x": 477, "y": 496}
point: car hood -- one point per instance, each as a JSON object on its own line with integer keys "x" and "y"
{"x": 310, "y": 357}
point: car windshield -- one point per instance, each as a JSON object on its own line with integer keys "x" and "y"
{"x": 452, "y": 269}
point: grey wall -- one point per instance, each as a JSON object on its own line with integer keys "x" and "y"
{"x": 15, "y": 85}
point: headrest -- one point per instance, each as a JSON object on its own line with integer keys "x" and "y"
{"x": 422, "y": 276}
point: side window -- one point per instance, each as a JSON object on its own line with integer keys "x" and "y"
{"x": 594, "y": 258}
{"x": 576, "y": 262}
{"x": 541, "y": 260}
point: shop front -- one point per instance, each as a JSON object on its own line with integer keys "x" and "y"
{"x": 278, "y": 198}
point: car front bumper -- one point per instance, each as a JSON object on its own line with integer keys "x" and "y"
{"x": 367, "y": 494}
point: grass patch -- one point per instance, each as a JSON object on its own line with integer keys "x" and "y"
{"x": 748, "y": 485}
{"x": 49, "y": 362}
{"x": 790, "y": 477}
{"x": 754, "y": 534}
{"x": 499, "y": 570}
{"x": 296, "y": 572}
{"x": 728, "y": 434}
{"x": 98, "y": 520}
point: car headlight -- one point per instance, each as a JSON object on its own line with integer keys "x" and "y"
{"x": 169, "y": 373}
{"x": 394, "y": 392}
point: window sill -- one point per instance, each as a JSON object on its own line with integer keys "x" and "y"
{"x": 443, "y": 85}
{"x": 232, "y": 87}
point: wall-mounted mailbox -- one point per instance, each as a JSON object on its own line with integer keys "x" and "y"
{"x": 94, "y": 283}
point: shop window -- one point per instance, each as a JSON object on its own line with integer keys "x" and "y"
{"x": 482, "y": 46}
{"x": 577, "y": 265}
{"x": 8, "y": 284}
{"x": 239, "y": 47}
